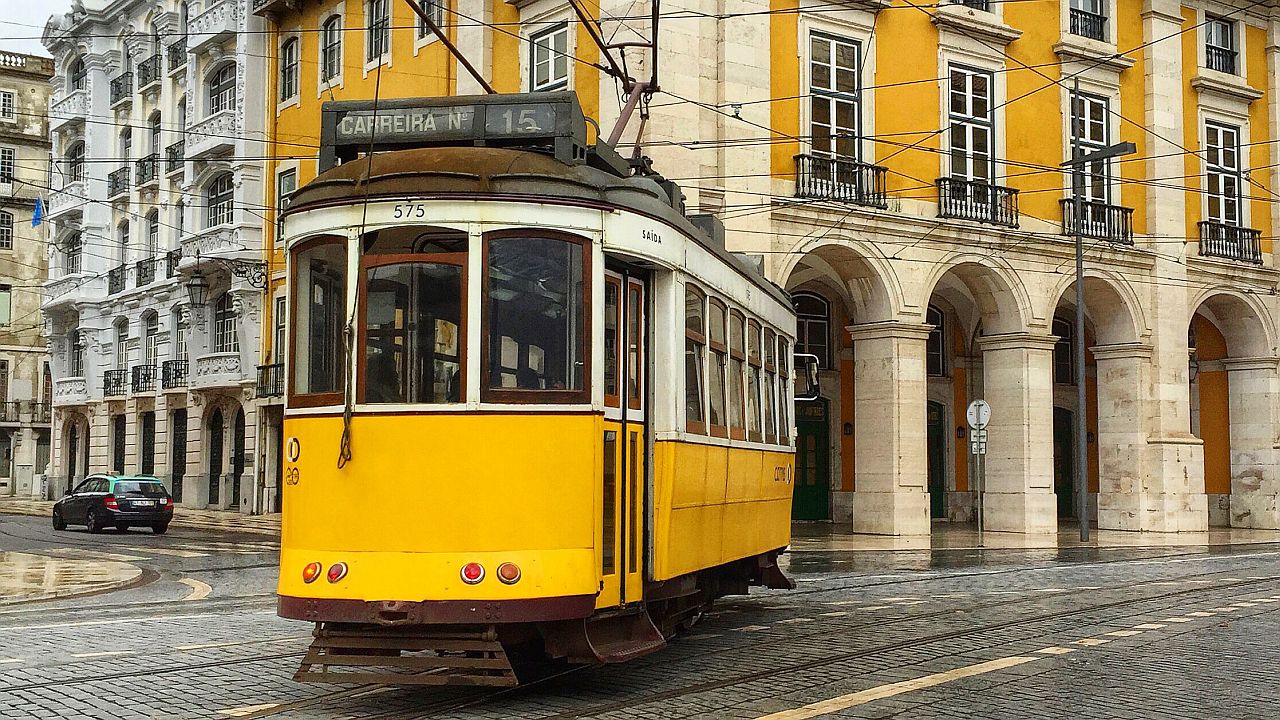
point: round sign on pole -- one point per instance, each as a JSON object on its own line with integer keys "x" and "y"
{"x": 978, "y": 414}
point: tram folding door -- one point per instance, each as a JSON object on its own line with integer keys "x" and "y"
{"x": 624, "y": 446}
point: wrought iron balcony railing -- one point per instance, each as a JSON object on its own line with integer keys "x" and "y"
{"x": 177, "y": 52}
{"x": 173, "y": 374}
{"x": 1099, "y": 220}
{"x": 270, "y": 380}
{"x": 976, "y": 200}
{"x": 122, "y": 88}
{"x": 118, "y": 182}
{"x": 840, "y": 179}
{"x": 147, "y": 169}
{"x": 143, "y": 378}
{"x": 1087, "y": 24}
{"x": 144, "y": 272}
{"x": 171, "y": 260}
{"x": 1230, "y": 242}
{"x": 984, "y": 5}
{"x": 115, "y": 280}
{"x": 149, "y": 71}
{"x": 113, "y": 382}
{"x": 1220, "y": 59}
{"x": 174, "y": 155}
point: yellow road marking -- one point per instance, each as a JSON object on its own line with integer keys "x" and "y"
{"x": 1090, "y": 642}
{"x": 1243, "y": 604}
{"x": 863, "y": 697}
{"x": 1265, "y": 600}
{"x": 199, "y": 590}
{"x": 1055, "y": 651}
{"x": 1123, "y": 633}
{"x": 1224, "y": 609}
{"x": 106, "y": 653}
{"x": 1148, "y": 626}
{"x": 247, "y": 710}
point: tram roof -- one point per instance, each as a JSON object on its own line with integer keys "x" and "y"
{"x": 488, "y": 171}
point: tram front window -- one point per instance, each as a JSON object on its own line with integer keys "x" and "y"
{"x": 320, "y": 296}
{"x": 535, "y": 314}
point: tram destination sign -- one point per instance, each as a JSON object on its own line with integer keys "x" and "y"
{"x": 551, "y": 121}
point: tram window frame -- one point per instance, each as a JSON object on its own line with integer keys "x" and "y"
{"x": 585, "y": 340}
{"x": 314, "y": 399}
{"x": 718, "y": 363}
{"x": 635, "y": 344}
{"x": 737, "y": 375}
{"x": 770, "y": 386}
{"x": 614, "y": 399}
{"x": 754, "y": 377}
{"x": 371, "y": 258}
{"x": 784, "y": 397}
{"x": 695, "y": 343}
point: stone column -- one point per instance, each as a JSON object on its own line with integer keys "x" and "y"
{"x": 1253, "y": 386}
{"x": 1018, "y": 383}
{"x": 890, "y": 447}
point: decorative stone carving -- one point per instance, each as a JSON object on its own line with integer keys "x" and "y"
{"x": 70, "y": 390}
{"x": 218, "y": 364}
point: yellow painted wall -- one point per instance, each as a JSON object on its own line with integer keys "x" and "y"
{"x": 784, "y": 113}
{"x": 907, "y": 101}
{"x": 1215, "y": 408}
{"x": 1258, "y": 156}
{"x": 1133, "y": 107}
{"x": 1193, "y": 164}
{"x": 1033, "y": 131}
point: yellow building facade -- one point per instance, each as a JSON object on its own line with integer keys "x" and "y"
{"x": 896, "y": 166}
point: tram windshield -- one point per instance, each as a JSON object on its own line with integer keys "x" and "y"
{"x": 318, "y": 308}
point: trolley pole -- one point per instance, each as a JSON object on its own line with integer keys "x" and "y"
{"x": 1077, "y": 164}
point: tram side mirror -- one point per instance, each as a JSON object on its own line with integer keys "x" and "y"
{"x": 806, "y": 366}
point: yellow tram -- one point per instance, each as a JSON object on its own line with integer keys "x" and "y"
{"x": 531, "y": 405}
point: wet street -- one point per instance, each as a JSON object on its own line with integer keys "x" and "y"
{"x": 951, "y": 631}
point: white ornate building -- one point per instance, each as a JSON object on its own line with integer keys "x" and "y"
{"x": 157, "y": 141}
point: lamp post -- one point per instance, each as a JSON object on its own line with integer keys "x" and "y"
{"x": 1077, "y": 164}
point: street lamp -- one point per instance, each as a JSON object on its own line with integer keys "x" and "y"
{"x": 1077, "y": 164}
{"x": 197, "y": 289}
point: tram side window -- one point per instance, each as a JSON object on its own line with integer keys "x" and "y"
{"x": 319, "y": 302}
{"x": 753, "y": 381}
{"x": 737, "y": 366}
{"x": 784, "y": 394}
{"x": 716, "y": 321}
{"x": 535, "y": 315}
{"x": 695, "y": 341}
{"x": 612, "y": 310}
{"x": 769, "y": 386}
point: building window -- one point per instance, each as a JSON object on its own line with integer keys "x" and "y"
{"x": 75, "y": 162}
{"x": 549, "y": 59}
{"x": 286, "y": 183}
{"x": 813, "y": 326}
{"x": 435, "y": 10}
{"x": 179, "y": 336}
{"x": 6, "y": 304}
{"x": 76, "y": 341}
{"x": 6, "y": 230}
{"x": 1220, "y": 44}
{"x": 378, "y": 35}
{"x": 79, "y": 75}
{"x": 1090, "y": 127}
{"x": 695, "y": 345}
{"x": 8, "y": 105}
{"x": 331, "y": 48}
{"x": 154, "y": 126}
{"x": 7, "y": 158}
{"x": 1223, "y": 175}
{"x": 222, "y": 89}
{"x": 1064, "y": 363}
{"x": 225, "y": 339}
{"x": 1089, "y": 19}
{"x": 122, "y": 241}
{"x": 835, "y": 111}
{"x": 221, "y": 200}
{"x": 935, "y": 349}
{"x": 126, "y": 144}
{"x": 278, "y": 343}
{"x": 122, "y": 345}
{"x": 972, "y": 127}
{"x": 153, "y": 233}
{"x": 289, "y": 69}
{"x": 151, "y": 345}
{"x": 71, "y": 254}
{"x": 180, "y": 217}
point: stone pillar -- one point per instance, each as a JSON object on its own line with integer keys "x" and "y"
{"x": 890, "y": 451}
{"x": 1018, "y": 383}
{"x": 1253, "y": 386}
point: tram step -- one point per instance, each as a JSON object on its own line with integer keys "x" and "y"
{"x": 608, "y": 639}
{"x": 343, "y": 655}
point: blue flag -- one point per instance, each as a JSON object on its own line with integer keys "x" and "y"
{"x": 37, "y": 216}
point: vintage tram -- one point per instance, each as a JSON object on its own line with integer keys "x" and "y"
{"x": 532, "y": 407}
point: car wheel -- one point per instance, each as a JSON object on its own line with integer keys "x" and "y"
{"x": 91, "y": 522}
{"x": 160, "y": 529}
{"x": 58, "y": 522}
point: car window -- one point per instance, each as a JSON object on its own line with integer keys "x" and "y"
{"x": 100, "y": 485}
{"x": 139, "y": 488}
{"x": 84, "y": 487}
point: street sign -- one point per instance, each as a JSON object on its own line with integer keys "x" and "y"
{"x": 978, "y": 447}
{"x": 978, "y": 414}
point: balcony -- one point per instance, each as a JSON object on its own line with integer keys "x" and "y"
{"x": 115, "y": 280}
{"x": 71, "y": 289}
{"x": 177, "y": 55}
{"x": 69, "y": 199}
{"x": 975, "y": 200}
{"x": 1100, "y": 220}
{"x": 219, "y": 242}
{"x": 142, "y": 378}
{"x": 215, "y": 24}
{"x": 171, "y": 260}
{"x": 70, "y": 391}
{"x": 113, "y": 383}
{"x": 71, "y": 109}
{"x": 122, "y": 89}
{"x": 174, "y": 159}
{"x": 213, "y": 135}
{"x": 43, "y": 412}
{"x": 9, "y": 411}
{"x": 841, "y": 180}
{"x": 217, "y": 370}
{"x": 270, "y": 380}
{"x": 173, "y": 374}
{"x": 1087, "y": 24}
{"x": 118, "y": 182}
{"x": 147, "y": 169}
{"x": 983, "y": 5}
{"x": 262, "y": 7}
{"x": 149, "y": 72}
{"x": 144, "y": 272}
{"x": 1221, "y": 59}
{"x": 1230, "y": 242}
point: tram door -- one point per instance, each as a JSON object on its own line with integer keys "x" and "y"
{"x": 623, "y": 472}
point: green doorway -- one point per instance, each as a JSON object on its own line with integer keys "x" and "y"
{"x": 936, "y": 414}
{"x": 1064, "y": 461}
{"x": 812, "y": 498}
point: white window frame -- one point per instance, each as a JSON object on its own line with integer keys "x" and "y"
{"x": 972, "y": 123}
{"x": 226, "y": 337}
{"x": 1238, "y": 172}
{"x": 9, "y": 106}
{"x": 547, "y": 31}
{"x": 294, "y": 97}
{"x": 439, "y": 12}
{"x": 8, "y": 164}
{"x": 216, "y": 216}
{"x": 834, "y": 96}
{"x": 6, "y": 230}
{"x": 370, "y": 63}
{"x": 336, "y": 80}
{"x": 1090, "y": 142}
{"x": 1105, "y": 8}
{"x": 226, "y": 98}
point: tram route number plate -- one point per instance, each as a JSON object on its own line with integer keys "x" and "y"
{"x": 401, "y": 124}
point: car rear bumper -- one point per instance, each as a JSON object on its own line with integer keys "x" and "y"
{"x": 153, "y": 517}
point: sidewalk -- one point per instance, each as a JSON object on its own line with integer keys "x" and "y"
{"x": 223, "y": 520}
{"x": 25, "y": 577}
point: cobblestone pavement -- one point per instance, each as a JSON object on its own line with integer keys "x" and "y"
{"x": 1129, "y": 633}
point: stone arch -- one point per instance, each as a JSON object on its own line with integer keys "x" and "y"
{"x": 861, "y": 279}
{"x": 1112, "y": 307}
{"x": 1001, "y": 299}
{"x": 1241, "y": 317}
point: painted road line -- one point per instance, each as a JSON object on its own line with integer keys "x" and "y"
{"x": 898, "y": 599}
{"x": 752, "y": 628}
{"x": 795, "y": 620}
{"x": 1177, "y": 619}
{"x": 1265, "y": 600}
{"x": 1048, "y": 590}
{"x": 847, "y": 602}
{"x": 235, "y": 643}
{"x": 1123, "y": 633}
{"x": 1091, "y": 642}
{"x": 875, "y": 607}
{"x": 863, "y": 697}
{"x": 105, "y": 653}
{"x": 1055, "y": 651}
{"x": 199, "y": 590}
{"x": 247, "y": 710}
{"x": 1224, "y": 609}
{"x": 167, "y": 551}
{"x": 1088, "y": 587}
{"x": 838, "y": 613}
{"x": 1243, "y": 604}
{"x": 1149, "y": 626}
{"x": 6, "y": 661}
{"x": 121, "y": 621}
{"x": 1200, "y": 613}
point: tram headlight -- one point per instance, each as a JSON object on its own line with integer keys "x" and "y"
{"x": 337, "y": 571}
{"x": 311, "y": 572}
{"x": 509, "y": 573}
{"x": 472, "y": 573}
